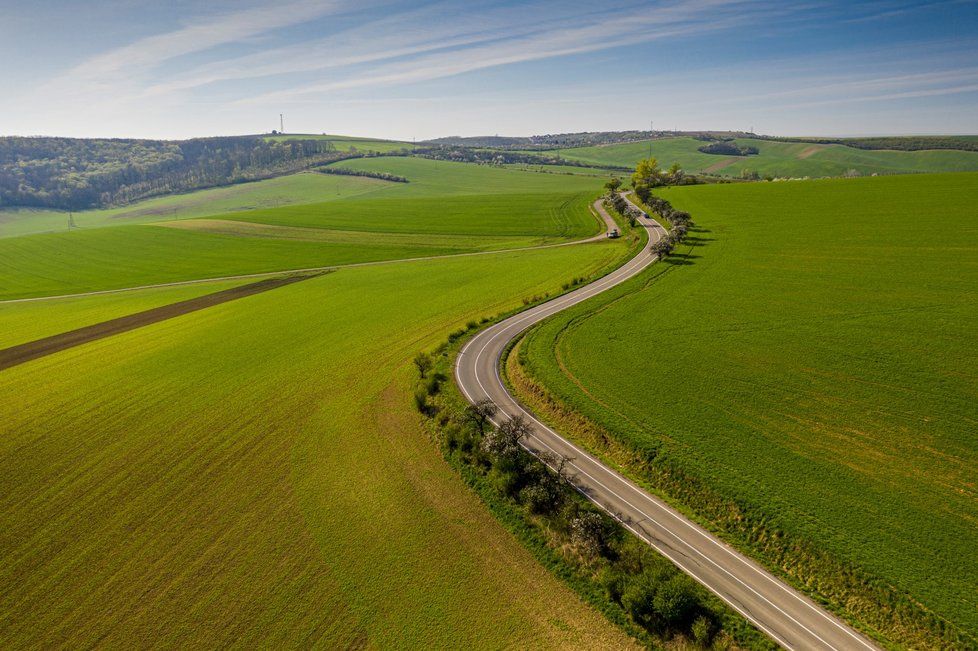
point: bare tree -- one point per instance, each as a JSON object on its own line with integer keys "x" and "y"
{"x": 504, "y": 441}
{"x": 481, "y": 413}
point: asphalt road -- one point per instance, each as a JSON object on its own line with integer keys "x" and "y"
{"x": 787, "y": 616}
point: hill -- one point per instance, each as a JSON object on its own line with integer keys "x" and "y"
{"x": 776, "y": 158}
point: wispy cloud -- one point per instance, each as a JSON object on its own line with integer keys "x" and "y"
{"x": 516, "y": 44}
{"x": 125, "y": 63}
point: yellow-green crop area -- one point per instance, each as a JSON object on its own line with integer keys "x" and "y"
{"x": 779, "y": 159}
{"x": 445, "y": 208}
{"x": 808, "y": 366}
{"x": 255, "y": 474}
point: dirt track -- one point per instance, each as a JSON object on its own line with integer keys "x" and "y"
{"x": 34, "y": 349}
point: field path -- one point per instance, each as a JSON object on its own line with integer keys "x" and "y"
{"x": 49, "y": 345}
{"x": 787, "y": 616}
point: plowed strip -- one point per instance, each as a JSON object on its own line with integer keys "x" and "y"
{"x": 41, "y": 347}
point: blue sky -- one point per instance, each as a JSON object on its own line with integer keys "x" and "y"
{"x": 406, "y": 70}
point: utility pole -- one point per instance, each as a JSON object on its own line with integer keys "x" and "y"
{"x": 650, "y": 138}
{"x": 281, "y": 123}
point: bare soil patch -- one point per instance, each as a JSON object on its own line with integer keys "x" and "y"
{"x": 719, "y": 165}
{"x": 808, "y": 151}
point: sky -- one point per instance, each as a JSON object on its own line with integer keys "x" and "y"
{"x": 422, "y": 69}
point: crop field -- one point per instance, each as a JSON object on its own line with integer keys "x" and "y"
{"x": 780, "y": 159}
{"x": 447, "y": 208}
{"x": 271, "y": 193}
{"x": 255, "y": 472}
{"x": 810, "y": 360}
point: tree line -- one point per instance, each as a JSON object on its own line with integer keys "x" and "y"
{"x": 75, "y": 173}
{"x": 648, "y": 175}
{"x": 343, "y": 171}
{"x": 460, "y": 154}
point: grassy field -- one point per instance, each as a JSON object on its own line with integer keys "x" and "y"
{"x": 780, "y": 159}
{"x": 281, "y": 191}
{"x": 255, "y": 474}
{"x": 806, "y": 374}
{"x": 447, "y": 208}
{"x": 347, "y": 143}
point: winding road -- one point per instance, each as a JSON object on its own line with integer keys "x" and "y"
{"x": 791, "y": 619}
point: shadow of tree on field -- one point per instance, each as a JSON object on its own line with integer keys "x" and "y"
{"x": 681, "y": 259}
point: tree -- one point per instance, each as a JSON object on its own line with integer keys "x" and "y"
{"x": 504, "y": 441}
{"x": 647, "y": 176}
{"x": 679, "y": 217}
{"x": 424, "y": 363}
{"x": 677, "y": 233}
{"x": 613, "y": 185}
{"x": 589, "y": 534}
{"x": 675, "y": 174}
{"x": 481, "y": 413}
{"x": 631, "y": 215}
{"x": 662, "y": 248}
{"x": 647, "y": 172}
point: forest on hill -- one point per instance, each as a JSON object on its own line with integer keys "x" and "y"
{"x": 76, "y": 173}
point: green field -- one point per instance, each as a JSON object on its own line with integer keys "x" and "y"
{"x": 280, "y": 493}
{"x": 779, "y": 159}
{"x": 347, "y": 143}
{"x": 280, "y": 191}
{"x": 806, "y": 373}
{"x": 447, "y": 208}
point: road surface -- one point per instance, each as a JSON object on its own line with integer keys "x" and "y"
{"x": 787, "y": 616}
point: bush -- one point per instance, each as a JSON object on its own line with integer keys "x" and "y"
{"x": 702, "y": 631}
{"x": 674, "y": 601}
{"x": 423, "y": 362}
{"x": 589, "y": 533}
{"x": 421, "y": 401}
